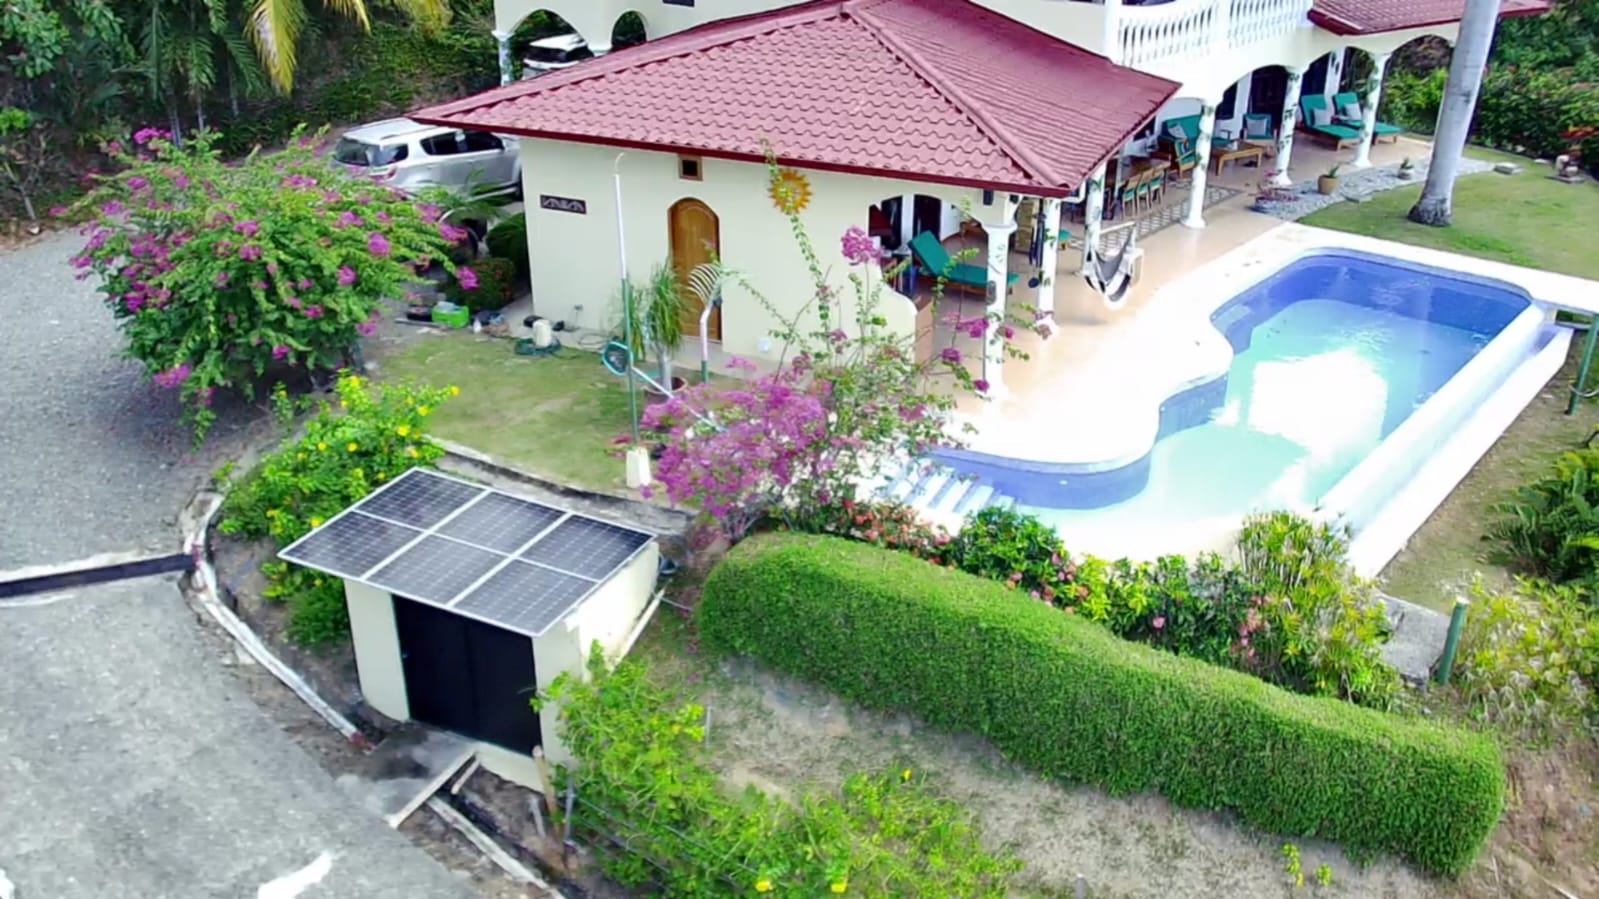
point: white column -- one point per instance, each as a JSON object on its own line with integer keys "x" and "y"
{"x": 1112, "y": 35}
{"x": 1196, "y": 182}
{"x": 1368, "y": 118}
{"x": 1001, "y": 226}
{"x": 907, "y": 219}
{"x": 1048, "y": 258}
{"x": 503, "y": 38}
{"x": 1285, "y": 128}
{"x": 1093, "y": 211}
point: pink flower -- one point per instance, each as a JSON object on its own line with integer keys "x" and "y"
{"x": 429, "y": 212}
{"x": 950, "y": 354}
{"x": 453, "y": 234}
{"x": 280, "y": 352}
{"x": 313, "y": 312}
{"x": 138, "y": 182}
{"x": 292, "y": 302}
{"x": 248, "y": 229}
{"x": 348, "y": 219}
{"x": 145, "y": 135}
{"x": 112, "y": 208}
{"x": 467, "y": 277}
{"x": 980, "y": 385}
{"x": 858, "y": 247}
{"x": 174, "y": 377}
{"x": 1007, "y": 332}
{"x": 58, "y": 211}
{"x": 1159, "y": 622}
{"x": 366, "y": 329}
{"x": 346, "y": 276}
{"x": 249, "y": 253}
{"x": 221, "y": 279}
{"x": 304, "y": 284}
{"x": 377, "y": 244}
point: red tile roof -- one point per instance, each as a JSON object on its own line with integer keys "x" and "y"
{"x": 1374, "y": 16}
{"x": 940, "y": 91}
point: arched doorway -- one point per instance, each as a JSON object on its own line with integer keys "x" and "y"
{"x": 628, "y": 31}
{"x": 696, "y": 238}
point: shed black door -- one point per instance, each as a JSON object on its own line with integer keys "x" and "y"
{"x": 466, "y": 676}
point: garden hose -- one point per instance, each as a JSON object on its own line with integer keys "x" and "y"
{"x": 525, "y": 347}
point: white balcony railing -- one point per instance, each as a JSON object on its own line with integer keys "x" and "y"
{"x": 1192, "y": 28}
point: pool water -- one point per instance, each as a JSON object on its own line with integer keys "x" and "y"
{"x": 1320, "y": 384}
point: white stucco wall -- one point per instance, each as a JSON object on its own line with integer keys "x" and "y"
{"x": 595, "y": 19}
{"x": 574, "y": 257}
{"x": 377, "y": 649}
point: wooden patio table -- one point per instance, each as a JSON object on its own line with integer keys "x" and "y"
{"x": 1246, "y": 151}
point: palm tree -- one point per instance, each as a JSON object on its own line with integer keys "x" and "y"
{"x": 186, "y": 45}
{"x": 274, "y": 27}
{"x": 1454, "y": 114}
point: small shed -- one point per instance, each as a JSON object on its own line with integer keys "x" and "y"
{"x": 463, "y": 599}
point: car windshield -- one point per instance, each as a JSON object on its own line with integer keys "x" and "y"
{"x": 354, "y": 152}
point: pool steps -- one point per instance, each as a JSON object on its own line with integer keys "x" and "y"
{"x": 935, "y": 489}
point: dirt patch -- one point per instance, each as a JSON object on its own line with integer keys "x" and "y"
{"x": 1549, "y": 838}
{"x": 1441, "y": 557}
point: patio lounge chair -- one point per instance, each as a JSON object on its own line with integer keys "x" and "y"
{"x": 1261, "y": 130}
{"x": 1347, "y": 102}
{"x": 960, "y": 275}
{"x": 1316, "y": 116}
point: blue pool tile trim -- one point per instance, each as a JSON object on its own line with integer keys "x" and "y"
{"x": 1479, "y": 305}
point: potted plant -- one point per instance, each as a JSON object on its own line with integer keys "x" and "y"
{"x": 1328, "y": 184}
{"x": 1407, "y": 169}
{"x": 658, "y": 325}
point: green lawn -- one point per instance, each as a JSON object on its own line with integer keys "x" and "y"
{"x": 1527, "y": 219}
{"x": 553, "y": 416}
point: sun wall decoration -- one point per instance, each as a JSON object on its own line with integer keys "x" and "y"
{"x": 790, "y": 191}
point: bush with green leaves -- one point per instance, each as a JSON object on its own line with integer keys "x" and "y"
{"x": 488, "y": 283}
{"x": 1529, "y": 658}
{"x": 508, "y": 240}
{"x": 1551, "y": 528}
{"x": 1071, "y": 700}
{"x": 650, "y": 801}
{"x": 216, "y": 271}
{"x": 373, "y": 435}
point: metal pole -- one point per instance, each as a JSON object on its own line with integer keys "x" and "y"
{"x": 627, "y": 300}
{"x": 1582, "y": 373}
{"x": 1457, "y": 622}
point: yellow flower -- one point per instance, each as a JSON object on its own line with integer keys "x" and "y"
{"x": 422, "y": 410}
{"x": 351, "y": 446}
{"x": 905, "y": 775}
{"x": 355, "y": 380}
{"x": 272, "y": 513}
{"x": 403, "y": 430}
{"x": 301, "y": 457}
{"x": 454, "y": 390}
{"x": 321, "y": 446}
{"x": 316, "y": 522}
{"x": 840, "y": 886}
{"x": 411, "y": 451}
{"x": 763, "y": 886}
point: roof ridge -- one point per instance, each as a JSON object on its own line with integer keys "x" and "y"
{"x": 920, "y": 65}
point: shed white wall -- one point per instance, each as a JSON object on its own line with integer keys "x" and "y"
{"x": 574, "y": 257}
{"x": 376, "y": 639}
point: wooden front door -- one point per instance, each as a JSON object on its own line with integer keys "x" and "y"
{"x": 1267, "y": 91}
{"x": 696, "y": 240}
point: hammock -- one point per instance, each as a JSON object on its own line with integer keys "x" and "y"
{"x": 1111, "y": 278}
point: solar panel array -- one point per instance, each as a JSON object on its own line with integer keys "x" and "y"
{"x": 474, "y": 550}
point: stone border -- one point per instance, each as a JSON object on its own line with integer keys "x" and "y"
{"x": 1356, "y": 187}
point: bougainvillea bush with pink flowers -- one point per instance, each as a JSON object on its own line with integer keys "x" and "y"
{"x": 846, "y": 394}
{"x": 216, "y": 271}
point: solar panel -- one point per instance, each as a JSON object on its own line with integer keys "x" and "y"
{"x": 350, "y": 545}
{"x": 435, "y": 570}
{"x": 585, "y": 547}
{"x": 525, "y": 597}
{"x": 450, "y": 543}
{"x": 419, "y": 499}
{"x": 501, "y": 523}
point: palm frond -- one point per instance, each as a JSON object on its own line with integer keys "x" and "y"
{"x": 274, "y": 29}
{"x": 429, "y": 14}
{"x": 354, "y": 10}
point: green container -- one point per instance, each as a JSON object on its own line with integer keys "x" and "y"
{"x": 458, "y": 317}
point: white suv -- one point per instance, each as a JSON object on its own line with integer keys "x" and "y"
{"x": 411, "y": 156}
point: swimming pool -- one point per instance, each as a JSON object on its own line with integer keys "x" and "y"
{"x": 1347, "y": 370}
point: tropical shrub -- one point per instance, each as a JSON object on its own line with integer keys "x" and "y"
{"x": 647, "y": 791}
{"x": 846, "y": 395}
{"x": 1071, "y": 700}
{"x": 877, "y": 522}
{"x": 487, "y": 283}
{"x": 1551, "y": 528}
{"x": 1535, "y": 112}
{"x": 508, "y": 240}
{"x": 215, "y": 272}
{"x": 375, "y": 434}
{"x": 1528, "y": 657}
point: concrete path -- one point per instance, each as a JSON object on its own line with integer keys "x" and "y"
{"x": 132, "y": 762}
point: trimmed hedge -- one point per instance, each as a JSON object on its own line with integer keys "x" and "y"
{"x": 1071, "y": 700}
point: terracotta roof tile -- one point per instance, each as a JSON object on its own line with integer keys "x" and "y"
{"x": 941, "y": 91}
{"x": 1374, "y": 16}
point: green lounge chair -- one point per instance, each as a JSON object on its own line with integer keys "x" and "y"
{"x": 1341, "y": 135}
{"x": 1347, "y": 99}
{"x": 961, "y": 275}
